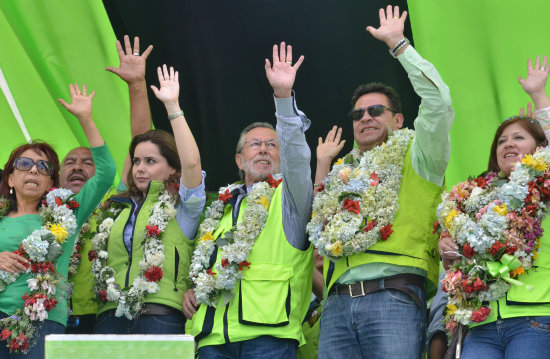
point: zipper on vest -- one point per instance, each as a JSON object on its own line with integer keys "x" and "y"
{"x": 176, "y": 269}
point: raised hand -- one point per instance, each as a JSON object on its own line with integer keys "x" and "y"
{"x": 81, "y": 102}
{"x": 536, "y": 76}
{"x": 169, "y": 85}
{"x": 331, "y": 147}
{"x": 132, "y": 64}
{"x": 392, "y": 26}
{"x": 282, "y": 74}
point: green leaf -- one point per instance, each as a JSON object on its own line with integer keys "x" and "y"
{"x": 54, "y": 251}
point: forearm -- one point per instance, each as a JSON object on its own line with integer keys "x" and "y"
{"x": 322, "y": 170}
{"x": 140, "y": 114}
{"x": 90, "y": 130}
{"x": 188, "y": 151}
{"x": 540, "y": 99}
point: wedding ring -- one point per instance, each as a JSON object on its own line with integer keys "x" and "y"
{"x": 289, "y": 62}
{"x": 136, "y": 53}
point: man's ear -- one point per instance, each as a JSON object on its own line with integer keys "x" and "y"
{"x": 239, "y": 160}
{"x": 399, "y": 120}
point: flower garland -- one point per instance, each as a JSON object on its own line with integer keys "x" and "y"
{"x": 497, "y": 226}
{"x": 357, "y": 202}
{"x": 42, "y": 248}
{"x": 84, "y": 234}
{"x": 130, "y": 300}
{"x": 235, "y": 245}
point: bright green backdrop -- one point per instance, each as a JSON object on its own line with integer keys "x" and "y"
{"x": 478, "y": 46}
{"x": 47, "y": 44}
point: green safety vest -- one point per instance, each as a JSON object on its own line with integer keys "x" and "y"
{"x": 519, "y": 301}
{"x": 272, "y": 298}
{"x": 177, "y": 253}
{"x": 412, "y": 243}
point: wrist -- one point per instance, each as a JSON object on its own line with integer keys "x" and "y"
{"x": 282, "y": 93}
{"x": 137, "y": 84}
{"x": 172, "y": 107}
{"x": 394, "y": 41}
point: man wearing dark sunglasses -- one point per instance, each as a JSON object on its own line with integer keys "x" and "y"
{"x": 376, "y": 305}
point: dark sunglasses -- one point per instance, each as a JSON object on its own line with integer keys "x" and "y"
{"x": 25, "y": 164}
{"x": 373, "y": 111}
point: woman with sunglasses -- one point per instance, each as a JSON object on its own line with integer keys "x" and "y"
{"x": 498, "y": 281}
{"x": 34, "y": 264}
{"x": 145, "y": 246}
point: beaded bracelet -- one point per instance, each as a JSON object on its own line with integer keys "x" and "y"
{"x": 175, "y": 115}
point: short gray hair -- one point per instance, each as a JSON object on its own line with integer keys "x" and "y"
{"x": 246, "y": 130}
{"x": 249, "y": 128}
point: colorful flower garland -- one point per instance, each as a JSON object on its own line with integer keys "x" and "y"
{"x": 235, "y": 245}
{"x": 357, "y": 202}
{"x": 42, "y": 248}
{"x": 497, "y": 226}
{"x": 130, "y": 300}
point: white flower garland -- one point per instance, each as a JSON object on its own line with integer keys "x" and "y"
{"x": 357, "y": 203}
{"x": 130, "y": 300}
{"x": 42, "y": 248}
{"x": 235, "y": 246}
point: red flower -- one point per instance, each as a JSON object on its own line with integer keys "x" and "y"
{"x": 103, "y": 295}
{"x": 244, "y": 264}
{"x": 225, "y": 196}
{"x": 468, "y": 287}
{"x": 209, "y": 272}
{"x": 58, "y": 201}
{"x": 375, "y": 179}
{"x": 44, "y": 267}
{"x": 50, "y": 304}
{"x": 5, "y": 334}
{"x": 497, "y": 246}
{"x": 468, "y": 251}
{"x": 481, "y": 314}
{"x": 351, "y": 205}
{"x": 481, "y": 181}
{"x": 370, "y": 225}
{"x": 153, "y": 274}
{"x": 478, "y": 284}
{"x": 321, "y": 187}
{"x": 152, "y": 231}
{"x": 92, "y": 255}
{"x": 225, "y": 262}
{"x": 72, "y": 204}
{"x": 19, "y": 343}
{"x": 273, "y": 182}
{"x": 511, "y": 250}
{"x": 386, "y": 231}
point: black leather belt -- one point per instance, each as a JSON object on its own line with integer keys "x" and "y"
{"x": 157, "y": 309}
{"x": 364, "y": 287}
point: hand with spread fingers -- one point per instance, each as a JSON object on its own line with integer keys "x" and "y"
{"x": 169, "y": 85}
{"x": 331, "y": 147}
{"x": 81, "y": 102}
{"x": 392, "y": 26}
{"x": 535, "y": 82}
{"x": 132, "y": 63}
{"x": 282, "y": 73}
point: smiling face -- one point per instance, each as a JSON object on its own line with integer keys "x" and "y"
{"x": 371, "y": 131}
{"x": 257, "y": 162}
{"x": 76, "y": 169}
{"x": 514, "y": 142}
{"x": 30, "y": 186}
{"x": 148, "y": 165}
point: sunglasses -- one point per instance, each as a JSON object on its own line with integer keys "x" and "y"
{"x": 373, "y": 111}
{"x": 25, "y": 164}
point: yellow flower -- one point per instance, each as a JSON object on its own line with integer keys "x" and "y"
{"x": 263, "y": 201}
{"x": 452, "y": 214}
{"x": 502, "y": 209}
{"x": 336, "y": 248}
{"x": 59, "y": 232}
{"x": 451, "y": 308}
{"x": 517, "y": 271}
{"x": 339, "y": 161}
{"x": 313, "y": 214}
{"x": 206, "y": 237}
{"x": 537, "y": 164}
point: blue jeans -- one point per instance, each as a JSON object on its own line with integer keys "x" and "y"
{"x": 36, "y": 350}
{"x": 173, "y": 323}
{"x": 261, "y": 347}
{"x": 383, "y": 324}
{"x": 522, "y": 337}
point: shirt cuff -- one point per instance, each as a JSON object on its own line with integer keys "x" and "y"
{"x": 186, "y": 193}
{"x": 286, "y": 107}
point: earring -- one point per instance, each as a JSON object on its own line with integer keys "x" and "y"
{"x": 11, "y": 190}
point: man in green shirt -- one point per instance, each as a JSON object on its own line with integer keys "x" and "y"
{"x": 383, "y": 256}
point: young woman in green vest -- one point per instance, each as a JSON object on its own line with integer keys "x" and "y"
{"x": 518, "y": 324}
{"x": 141, "y": 258}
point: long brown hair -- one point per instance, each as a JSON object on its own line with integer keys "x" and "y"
{"x": 39, "y": 147}
{"x": 167, "y": 148}
{"x": 529, "y": 124}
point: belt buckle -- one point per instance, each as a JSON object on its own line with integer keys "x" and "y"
{"x": 362, "y": 294}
